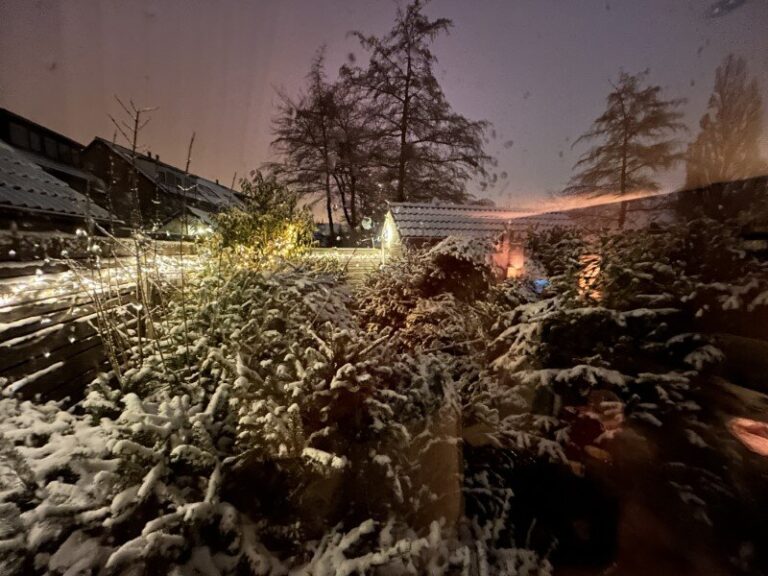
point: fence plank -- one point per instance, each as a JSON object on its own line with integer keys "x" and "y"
{"x": 49, "y": 338}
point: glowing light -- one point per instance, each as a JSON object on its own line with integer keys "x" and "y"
{"x": 589, "y": 276}
{"x": 752, "y": 433}
{"x": 514, "y": 272}
{"x": 516, "y": 262}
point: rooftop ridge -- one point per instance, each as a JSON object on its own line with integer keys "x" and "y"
{"x": 143, "y": 156}
{"x": 457, "y": 206}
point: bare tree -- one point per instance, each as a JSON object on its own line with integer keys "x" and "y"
{"x": 130, "y": 128}
{"x": 433, "y": 150}
{"x": 633, "y": 142}
{"x": 329, "y": 144}
{"x": 359, "y": 146}
{"x": 302, "y": 130}
{"x": 728, "y": 145}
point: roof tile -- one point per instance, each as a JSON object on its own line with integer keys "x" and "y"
{"x": 25, "y": 186}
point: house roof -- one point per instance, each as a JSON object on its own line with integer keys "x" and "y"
{"x": 217, "y": 196}
{"x": 25, "y": 186}
{"x": 202, "y": 215}
{"x": 39, "y": 127}
{"x": 48, "y": 164}
{"x": 431, "y": 221}
{"x": 543, "y": 220}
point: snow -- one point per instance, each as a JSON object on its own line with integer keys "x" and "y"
{"x": 21, "y": 383}
{"x": 324, "y": 458}
{"x": 282, "y": 387}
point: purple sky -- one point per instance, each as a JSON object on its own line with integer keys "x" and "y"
{"x": 537, "y": 69}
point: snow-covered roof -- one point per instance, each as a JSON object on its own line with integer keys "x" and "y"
{"x": 26, "y": 187}
{"x": 201, "y": 189}
{"x": 544, "y": 220}
{"x": 433, "y": 221}
{"x": 202, "y": 215}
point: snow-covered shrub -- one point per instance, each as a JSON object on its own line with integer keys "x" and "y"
{"x": 629, "y": 366}
{"x": 456, "y": 273}
{"x": 261, "y": 416}
{"x": 271, "y": 226}
{"x": 274, "y": 424}
{"x": 561, "y": 255}
{"x": 461, "y": 266}
{"x": 699, "y": 266}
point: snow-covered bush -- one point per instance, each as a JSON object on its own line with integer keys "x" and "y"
{"x": 271, "y": 226}
{"x": 629, "y": 365}
{"x": 456, "y": 271}
{"x": 260, "y": 419}
{"x": 561, "y": 254}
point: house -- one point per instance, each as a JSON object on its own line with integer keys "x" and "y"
{"x": 413, "y": 225}
{"x": 418, "y": 225}
{"x": 159, "y": 197}
{"x": 55, "y": 153}
{"x": 33, "y": 199}
{"x": 190, "y": 222}
{"x": 408, "y": 225}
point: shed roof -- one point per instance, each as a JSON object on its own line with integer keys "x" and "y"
{"x": 27, "y": 187}
{"x": 432, "y": 221}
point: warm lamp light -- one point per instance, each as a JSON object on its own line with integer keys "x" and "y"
{"x": 514, "y": 271}
{"x": 516, "y": 264}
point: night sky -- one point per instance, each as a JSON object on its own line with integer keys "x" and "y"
{"x": 539, "y": 70}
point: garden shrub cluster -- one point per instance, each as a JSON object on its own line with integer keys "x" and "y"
{"x": 265, "y": 430}
{"x": 432, "y": 421}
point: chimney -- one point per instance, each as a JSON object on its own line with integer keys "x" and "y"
{"x": 157, "y": 157}
{"x": 217, "y": 180}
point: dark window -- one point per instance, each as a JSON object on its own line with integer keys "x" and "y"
{"x": 50, "y": 148}
{"x": 19, "y": 136}
{"x": 35, "y": 142}
{"x": 65, "y": 153}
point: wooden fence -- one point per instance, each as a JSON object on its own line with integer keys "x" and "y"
{"x": 358, "y": 262}
{"x": 50, "y": 310}
{"x": 49, "y": 314}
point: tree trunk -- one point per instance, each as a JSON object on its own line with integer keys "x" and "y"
{"x": 328, "y": 196}
{"x": 623, "y": 174}
{"x": 329, "y": 206}
{"x": 404, "y": 132}
{"x": 622, "y": 214}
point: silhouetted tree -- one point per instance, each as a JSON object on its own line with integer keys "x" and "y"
{"x": 632, "y": 142}
{"x": 329, "y": 143}
{"x": 431, "y": 150}
{"x": 727, "y": 147}
{"x": 303, "y": 137}
{"x": 358, "y": 147}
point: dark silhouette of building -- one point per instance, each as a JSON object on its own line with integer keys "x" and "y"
{"x": 55, "y": 153}
{"x": 145, "y": 192}
{"x": 43, "y": 185}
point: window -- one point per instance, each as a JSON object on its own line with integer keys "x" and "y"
{"x": 35, "y": 142}
{"x": 65, "y": 153}
{"x": 50, "y": 148}
{"x": 19, "y": 136}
